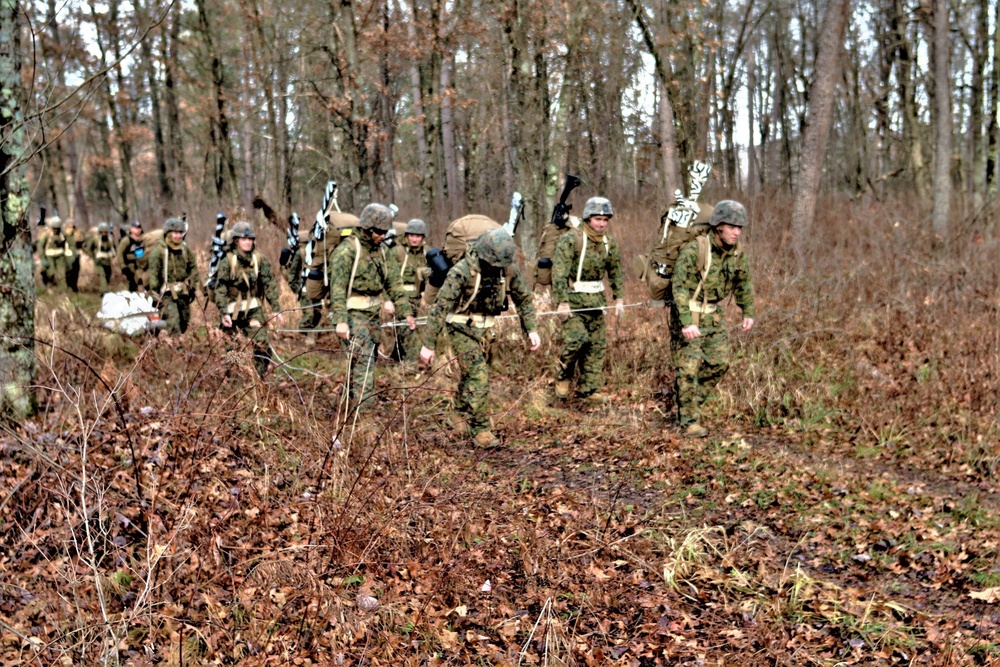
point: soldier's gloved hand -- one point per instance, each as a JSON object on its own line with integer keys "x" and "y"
{"x": 563, "y": 310}
{"x": 691, "y": 332}
{"x": 426, "y": 355}
{"x": 746, "y": 324}
{"x": 535, "y": 340}
{"x": 343, "y": 330}
{"x": 411, "y": 322}
{"x": 619, "y": 308}
{"x": 389, "y": 307}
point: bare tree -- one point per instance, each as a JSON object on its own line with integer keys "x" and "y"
{"x": 942, "y": 118}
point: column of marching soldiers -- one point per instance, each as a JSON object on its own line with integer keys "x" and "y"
{"x": 355, "y": 268}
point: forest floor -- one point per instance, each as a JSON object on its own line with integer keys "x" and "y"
{"x": 167, "y": 508}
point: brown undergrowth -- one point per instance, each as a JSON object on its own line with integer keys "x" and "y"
{"x": 168, "y": 508}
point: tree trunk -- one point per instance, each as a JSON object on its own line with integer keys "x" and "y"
{"x": 993, "y": 134}
{"x": 225, "y": 174}
{"x": 17, "y": 270}
{"x": 163, "y": 178}
{"x": 175, "y": 144}
{"x": 448, "y": 136}
{"x": 942, "y": 120}
{"x": 751, "y": 151}
{"x": 818, "y": 128}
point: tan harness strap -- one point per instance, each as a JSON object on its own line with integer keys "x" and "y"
{"x": 354, "y": 267}
{"x": 705, "y": 264}
{"x": 475, "y": 292}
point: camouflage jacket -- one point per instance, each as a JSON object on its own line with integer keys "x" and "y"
{"x": 728, "y": 274}
{"x": 293, "y": 271}
{"x": 409, "y": 262}
{"x": 599, "y": 259}
{"x": 100, "y": 248}
{"x": 174, "y": 271}
{"x": 51, "y": 243}
{"x": 489, "y": 300}
{"x": 131, "y": 254}
{"x": 242, "y": 277}
{"x": 373, "y": 277}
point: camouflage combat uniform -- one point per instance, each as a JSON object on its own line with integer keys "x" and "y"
{"x": 74, "y": 247}
{"x": 584, "y": 335}
{"x": 360, "y": 309}
{"x": 52, "y": 253}
{"x": 132, "y": 260}
{"x": 470, "y": 326}
{"x": 243, "y": 282}
{"x": 173, "y": 279}
{"x": 410, "y": 265}
{"x": 701, "y": 362}
{"x": 101, "y": 248}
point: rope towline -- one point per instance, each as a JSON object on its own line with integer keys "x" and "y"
{"x": 423, "y": 320}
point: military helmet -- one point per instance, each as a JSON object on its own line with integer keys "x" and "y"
{"x": 597, "y": 206}
{"x": 243, "y": 230}
{"x": 496, "y": 247}
{"x": 416, "y": 226}
{"x": 53, "y": 222}
{"x": 375, "y": 216}
{"x": 104, "y": 228}
{"x": 173, "y": 225}
{"x": 729, "y": 212}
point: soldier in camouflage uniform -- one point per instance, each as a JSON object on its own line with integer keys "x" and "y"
{"x": 360, "y": 273}
{"x": 243, "y": 282}
{"x": 475, "y": 292}
{"x": 582, "y": 258}
{"x": 132, "y": 258}
{"x": 52, "y": 252}
{"x": 708, "y": 269}
{"x": 173, "y": 276}
{"x": 74, "y": 247}
{"x": 411, "y": 266}
{"x": 101, "y": 248}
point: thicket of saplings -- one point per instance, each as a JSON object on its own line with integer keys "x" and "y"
{"x": 160, "y": 483}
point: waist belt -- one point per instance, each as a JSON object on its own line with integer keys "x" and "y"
{"x": 54, "y": 252}
{"x": 363, "y": 302}
{"x": 587, "y": 286}
{"x": 103, "y": 255}
{"x": 240, "y": 306}
{"x": 699, "y": 307}
{"x": 409, "y": 288}
{"x": 470, "y": 319}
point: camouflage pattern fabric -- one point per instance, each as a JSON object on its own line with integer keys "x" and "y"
{"x": 312, "y": 312}
{"x": 470, "y": 343}
{"x": 410, "y": 264}
{"x": 729, "y": 212}
{"x": 244, "y": 285}
{"x": 74, "y": 247}
{"x": 584, "y": 335}
{"x": 363, "y": 350}
{"x": 701, "y": 362}
{"x": 132, "y": 261}
{"x": 293, "y": 272}
{"x": 52, "y": 254}
{"x": 372, "y": 278}
{"x": 375, "y": 216}
{"x": 180, "y": 288}
{"x": 101, "y": 249}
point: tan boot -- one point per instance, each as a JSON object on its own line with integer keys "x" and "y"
{"x": 458, "y": 425}
{"x": 695, "y": 430}
{"x": 597, "y": 398}
{"x": 562, "y": 388}
{"x": 486, "y": 440}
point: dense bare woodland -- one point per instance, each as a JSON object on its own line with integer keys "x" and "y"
{"x": 163, "y": 506}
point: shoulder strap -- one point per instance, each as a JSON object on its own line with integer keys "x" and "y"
{"x": 704, "y": 265}
{"x": 166, "y": 261}
{"x": 475, "y": 292}
{"x": 354, "y": 267}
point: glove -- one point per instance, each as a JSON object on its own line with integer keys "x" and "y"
{"x": 389, "y": 307}
{"x": 535, "y": 339}
{"x": 426, "y": 355}
{"x": 343, "y": 330}
{"x": 619, "y": 308}
{"x": 563, "y": 310}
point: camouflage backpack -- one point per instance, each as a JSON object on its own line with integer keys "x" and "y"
{"x": 547, "y": 248}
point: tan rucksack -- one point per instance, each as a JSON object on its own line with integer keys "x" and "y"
{"x": 656, "y": 268}
{"x": 547, "y": 249}
{"x": 457, "y": 238}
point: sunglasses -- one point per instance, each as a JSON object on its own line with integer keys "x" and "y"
{"x": 380, "y": 232}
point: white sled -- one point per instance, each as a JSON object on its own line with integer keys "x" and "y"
{"x": 129, "y": 313}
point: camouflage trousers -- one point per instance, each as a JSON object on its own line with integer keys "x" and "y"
{"x": 176, "y": 314}
{"x": 134, "y": 278}
{"x": 312, "y": 312}
{"x": 363, "y": 350}
{"x": 54, "y": 271}
{"x": 103, "y": 270}
{"x": 471, "y": 349}
{"x": 699, "y": 364}
{"x": 73, "y": 273}
{"x": 584, "y": 345}
{"x": 406, "y": 344}
{"x": 252, "y": 325}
